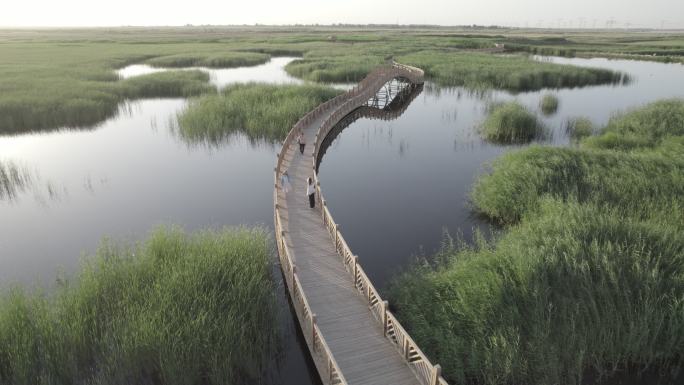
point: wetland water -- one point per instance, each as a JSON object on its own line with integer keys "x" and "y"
{"x": 394, "y": 186}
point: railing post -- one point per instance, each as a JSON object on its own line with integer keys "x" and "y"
{"x": 336, "y": 237}
{"x": 384, "y": 318}
{"x": 330, "y": 371}
{"x": 368, "y": 293}
{"x": 294, "y": 272}
{"x": 356, "y": 261}
{"x": 435, "y": 375}
{"x": 407, "y": 348}
{"x": 313, "y": 331}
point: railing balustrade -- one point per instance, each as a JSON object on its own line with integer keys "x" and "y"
{"x": 340, "y": 106}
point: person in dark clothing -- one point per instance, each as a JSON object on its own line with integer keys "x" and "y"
{"x": 301, "y": 141}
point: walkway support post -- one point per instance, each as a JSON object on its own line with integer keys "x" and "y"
{"x": 313, "y": 331}
{"x": 436, "y": 374}
{"x": 356, "y": 261}
{"x": 385, "y": 304}
{"x": 337, "y": 225}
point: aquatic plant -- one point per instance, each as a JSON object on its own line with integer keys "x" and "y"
{"x": 83, "y": 105}
{"x": 633, "y": 183}
{"x": 579, "y": 128}
{"x": 549, "y": 104}
{"x": 261, "y": 111}
{"x": 509, "y": 72}
{"x": 572, "y": 289}
{"x": 511, "y": 122}
{"x": 178, "y": 308}
{"x": 347, "y": 69}
{"x": 642, "y": 128}
{"x": 586, "y": 277}
{"x": 213, "y": 60}
{"x": 13, "y": 180}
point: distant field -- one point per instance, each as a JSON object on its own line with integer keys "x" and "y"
{"x": 52, "y": 78}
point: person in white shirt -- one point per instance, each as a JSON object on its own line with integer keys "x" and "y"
{"x": 285, "y": 182}
{"x": 311, "y": 192}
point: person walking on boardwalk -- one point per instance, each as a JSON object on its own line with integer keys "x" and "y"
{"x": 285, "y": 182}
{"x": 311, "y": 192}
{"x": 301, "y": 141}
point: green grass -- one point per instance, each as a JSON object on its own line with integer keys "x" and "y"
{"x": 643, "y": 128}
{"x": 82, "y": 104}
{"x": 634, "y": 183}
{"x": 348, "y": 69}
{"x": 572, "y": 289}
{"x": 177, "y": 309}
{"x": 586, "y": 277}
{"x": 261, "y": 111}
{"x": 549, "y": 104}
{"x": 579, "y": 128}
{"x": 216, "y": 60}
{"x": 510, "y": 72}
{"x": 49, "y": 85}
{"x": 511, "y": 122}
{"x": 57, "y": 78}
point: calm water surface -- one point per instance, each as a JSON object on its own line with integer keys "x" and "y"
{"x": 397, "y": 186}
{"x": 394, "y": 186}
{"x": 271, "y": 72}
{"x": 129, "y": 174}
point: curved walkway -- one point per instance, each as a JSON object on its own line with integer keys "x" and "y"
{"x": 352, "y": 336}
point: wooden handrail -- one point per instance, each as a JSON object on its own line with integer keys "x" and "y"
{"x": 342, "y": 105}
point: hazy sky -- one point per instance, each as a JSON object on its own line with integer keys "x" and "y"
{"x": 521, "y": 13}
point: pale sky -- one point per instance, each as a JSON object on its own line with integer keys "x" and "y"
{"x": 518, "y": 13}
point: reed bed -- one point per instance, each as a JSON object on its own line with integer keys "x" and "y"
{"x": 643, "y": 128}
{"x": 179, "y": 308}
{"x": 549, "y": 104}
{"x": 348, "y": 69}
{"x": 585, "y": 279}
{"x": 65, "y": 78}
{"x": 261, "y": 111}
{"x": 579, "y": 128}
{"x": 511, "y": 122}
{"x": 510, "y": 72}
{"x": 78, "y": 104}
{"x": 215, "y": 60}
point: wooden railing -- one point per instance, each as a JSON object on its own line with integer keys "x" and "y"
{"x": 325, "y": 362}
{"x": 332, "y": 111}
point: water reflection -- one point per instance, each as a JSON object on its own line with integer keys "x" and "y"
{"x": 272, "y": 71}
{"x": 13, "y": 180}
{"x": 390, "y": 110}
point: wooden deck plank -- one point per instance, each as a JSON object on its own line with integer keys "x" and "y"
{"x": 354, "y": 336}
{"x": 344, "y": 319}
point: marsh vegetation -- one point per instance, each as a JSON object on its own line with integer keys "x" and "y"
{"x": 511, "y": 122}
{"x": 215, "y": 60}
{"x": 509, "y": 72}
{"x": 261, "y": 111}
{"x": 586, "y": 276}
{"x": 579, "y": 128}
{"x": 62, "y": 79}
{"x": 179, "y": 308}
{"x": 549, "y": 104}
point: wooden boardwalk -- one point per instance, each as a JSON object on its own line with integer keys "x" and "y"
{"x": 352, "y": 336}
